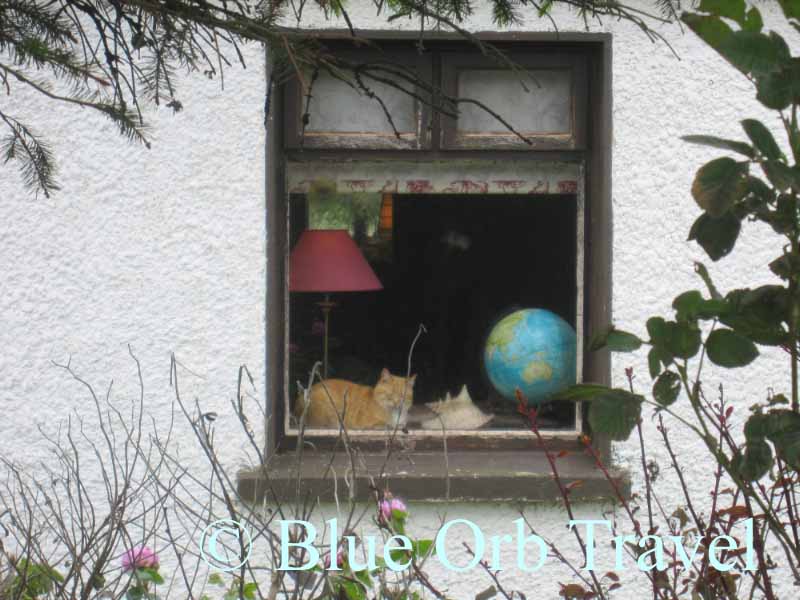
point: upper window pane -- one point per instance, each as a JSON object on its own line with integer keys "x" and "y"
{"x": 337, "y": 107}
{"x": 545, "y": 107}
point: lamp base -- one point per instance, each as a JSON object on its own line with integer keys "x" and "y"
{"x": 326, "y": 305}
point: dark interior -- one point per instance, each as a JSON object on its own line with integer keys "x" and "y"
{"x": 458, "y": 264}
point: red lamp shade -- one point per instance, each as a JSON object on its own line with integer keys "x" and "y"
{"x": 328, "y": 260}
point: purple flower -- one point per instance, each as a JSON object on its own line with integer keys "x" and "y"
{"x": 388, "y": 505}
{"x": 139, "y": 557}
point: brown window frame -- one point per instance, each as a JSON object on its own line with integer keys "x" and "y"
{"x": 592, "y": 149}
{"x": 548, "y": 58}
{"x": 295, "y": 103}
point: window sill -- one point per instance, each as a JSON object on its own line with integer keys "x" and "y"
{"x": 474, "y": 476}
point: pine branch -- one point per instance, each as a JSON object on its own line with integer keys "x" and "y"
{"x": 35, "y": 158}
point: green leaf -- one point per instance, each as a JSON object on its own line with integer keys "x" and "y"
{"x": 787, "y": 444}
{"x": 756, "y": 427}
{"x": 781, "y": 175}
{"x": 784, "y": 266}
{"x": 756, "y": 187}
{"x": 615, "y": 340}
{"x": 791, "y": 8}
{"x": 778, "y": 399}
{"x": 136, "y": 593}
{"x": 687, "y": 305}
{"x": 667, "y": 388}
{"x": 758, "y": 314}
{"x": 762, "y": 139}
{"x": 581, "y": 392}
{"x": 363, "y": 577}
{"x": 249, "y": 590}
{"x": 622, "y": 341}
{"x": 149, "y": 574}
{"x": 353, "y": 590}
{"x": 702, "y": 271}
{"x": 682, "y": 340}
{"x": 777, "y": 90}
{"x": 716, "y": 235}
{"x": 656, "y": 327}
{"x": 732, "y": 9}
{"x": 653, "y": 363}
{"x": 398, "y": 554}
{"x": 215, "y": 579}
{"x": 712, "y": 30}
{"x": 780, "y": 421}
{"x": 756, "y": 462}
{"x": 754, "y": 53}
{"x": 794, "y": 142}
{"x": 615, "y": 413}
{"x": 723, "y": 144}
{"x": 691, "y": 306}
{"x": 713, "y": 309}
{"x": 718, "y": 184}
{"x": 753, "y": 20}
{"x": 422, "y": 548}
{"x": 727, "y": 348}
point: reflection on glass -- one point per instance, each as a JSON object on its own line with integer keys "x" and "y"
{"x": 339, "y": 107}
{"x": 544, "y": 107}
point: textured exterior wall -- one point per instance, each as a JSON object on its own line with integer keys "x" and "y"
{"x": 164, "y": 250}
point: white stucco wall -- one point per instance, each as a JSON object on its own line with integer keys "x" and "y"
{"x": 165, "y": 250}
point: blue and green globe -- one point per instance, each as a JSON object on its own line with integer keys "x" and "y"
{"x": 532, "y": 350}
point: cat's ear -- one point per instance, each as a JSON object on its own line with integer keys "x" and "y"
{"x": 385, "y": 375}
{"x": 412, "y": 379}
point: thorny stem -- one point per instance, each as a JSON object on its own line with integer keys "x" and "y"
{"x": 531, "y": 415}
{"x": 645, "y": 473}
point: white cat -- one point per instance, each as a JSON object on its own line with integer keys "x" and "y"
{"x": 456, "y": 413}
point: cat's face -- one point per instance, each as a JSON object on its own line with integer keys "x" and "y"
{"x": 395, "y": 394}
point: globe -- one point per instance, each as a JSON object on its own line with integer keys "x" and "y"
{"x": 532, "y": 350}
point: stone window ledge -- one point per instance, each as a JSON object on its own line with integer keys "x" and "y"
{"x": 494, "y": 475}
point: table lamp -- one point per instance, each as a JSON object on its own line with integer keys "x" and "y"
{"x": 328, "y": 261}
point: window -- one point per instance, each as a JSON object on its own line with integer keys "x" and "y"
{"x": 459, "y": 246}
{"x": 462, "y": 221}
{"x": 544, "y": 100}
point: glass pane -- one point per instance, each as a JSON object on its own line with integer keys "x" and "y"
{"x": 337, "y": 107}
{"x": 545, "y": 108}
{"x": 492, "y": 278}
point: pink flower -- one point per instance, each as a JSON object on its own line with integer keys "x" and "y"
{"x": 139, "y": 557}
{"x": 339, "y": 559}
{"x": 389, "y": 504}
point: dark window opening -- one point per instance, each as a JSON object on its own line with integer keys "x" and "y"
{"x": 457, "y": 264}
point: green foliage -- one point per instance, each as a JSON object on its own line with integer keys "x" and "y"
{"x": 616, "y": 341}
{"x": 762, "y": 139}
{"x": 667, "y": 388}
{"x": 719, "y": 184}
{"x": 33, "y": 580}
{"x": 117, "y": 58}
{"x": 717, "y": 236}
{"x": 721, "y": 143}
{"x": 614, "y": 412}
{"x": 756, "y": 461}
{"x": 727, "y": 348}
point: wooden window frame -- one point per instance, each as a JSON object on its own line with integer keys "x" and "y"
{"x": 385, "y": 140}
{"x": 543, "y": 59}
{"x": 482, "y": 472}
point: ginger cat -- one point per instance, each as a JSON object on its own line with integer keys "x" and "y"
{"x": 361, "y": 406}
